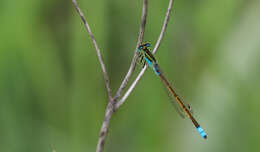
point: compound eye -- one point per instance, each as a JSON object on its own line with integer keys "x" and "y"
{"x": 140, "y": 47}
{"x": 147, "y": 44}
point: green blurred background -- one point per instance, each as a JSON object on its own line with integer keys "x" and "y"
{"x": 52, "y": 92}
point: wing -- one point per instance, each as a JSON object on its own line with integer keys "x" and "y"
{"x": 176, "y": 106}
{"x": 174, "y": 102}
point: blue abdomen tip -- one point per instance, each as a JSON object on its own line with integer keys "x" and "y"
{"x": 202, "y": 132}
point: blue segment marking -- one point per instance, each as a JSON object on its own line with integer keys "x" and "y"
{"x": 149, "y": 62}
{"x": 202, "y": 132}
{"x": 156, "y": 69}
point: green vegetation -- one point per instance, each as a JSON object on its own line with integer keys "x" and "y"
{"x": 52, "y": 92}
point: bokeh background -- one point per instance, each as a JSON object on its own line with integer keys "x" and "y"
{"x": 52, "y": 92}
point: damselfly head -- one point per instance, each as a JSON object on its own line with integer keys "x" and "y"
{"x": 140, "y": 47}
{"x": 143, "y": 46}
{"x": 147, "y": 44}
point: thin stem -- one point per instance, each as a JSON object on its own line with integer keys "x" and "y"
{"x": 105, "y": 127}
{"x": 111, "y": 105}
{"x": 165, "y": 24}
{"x": 166, "y": 20}
{"x": 123, "y": 99}
{"x": 97, "y": 49}
{"x": 133, "y": 63}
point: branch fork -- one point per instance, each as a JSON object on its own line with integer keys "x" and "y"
{"x": 115, "y": 102}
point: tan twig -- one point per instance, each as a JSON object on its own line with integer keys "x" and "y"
{"x": 105, "y": 126}
{"x": 97, "y": 49}
{"x": 133, "y": 63}
{"x": 157, "y": 45}
{"x": 110, "y": 107}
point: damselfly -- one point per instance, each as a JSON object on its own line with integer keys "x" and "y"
{"x": 146, "y": 56}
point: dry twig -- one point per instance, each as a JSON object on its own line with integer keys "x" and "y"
{"x": 97, "y": 49}
{"x": 133, "y": 63}
{"x": 110, "y": 108}
{"x": 157, "y": 45}
{"x": 113, "y": 105}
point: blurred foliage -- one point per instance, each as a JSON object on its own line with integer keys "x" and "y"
{"x": 52, "y": 92}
